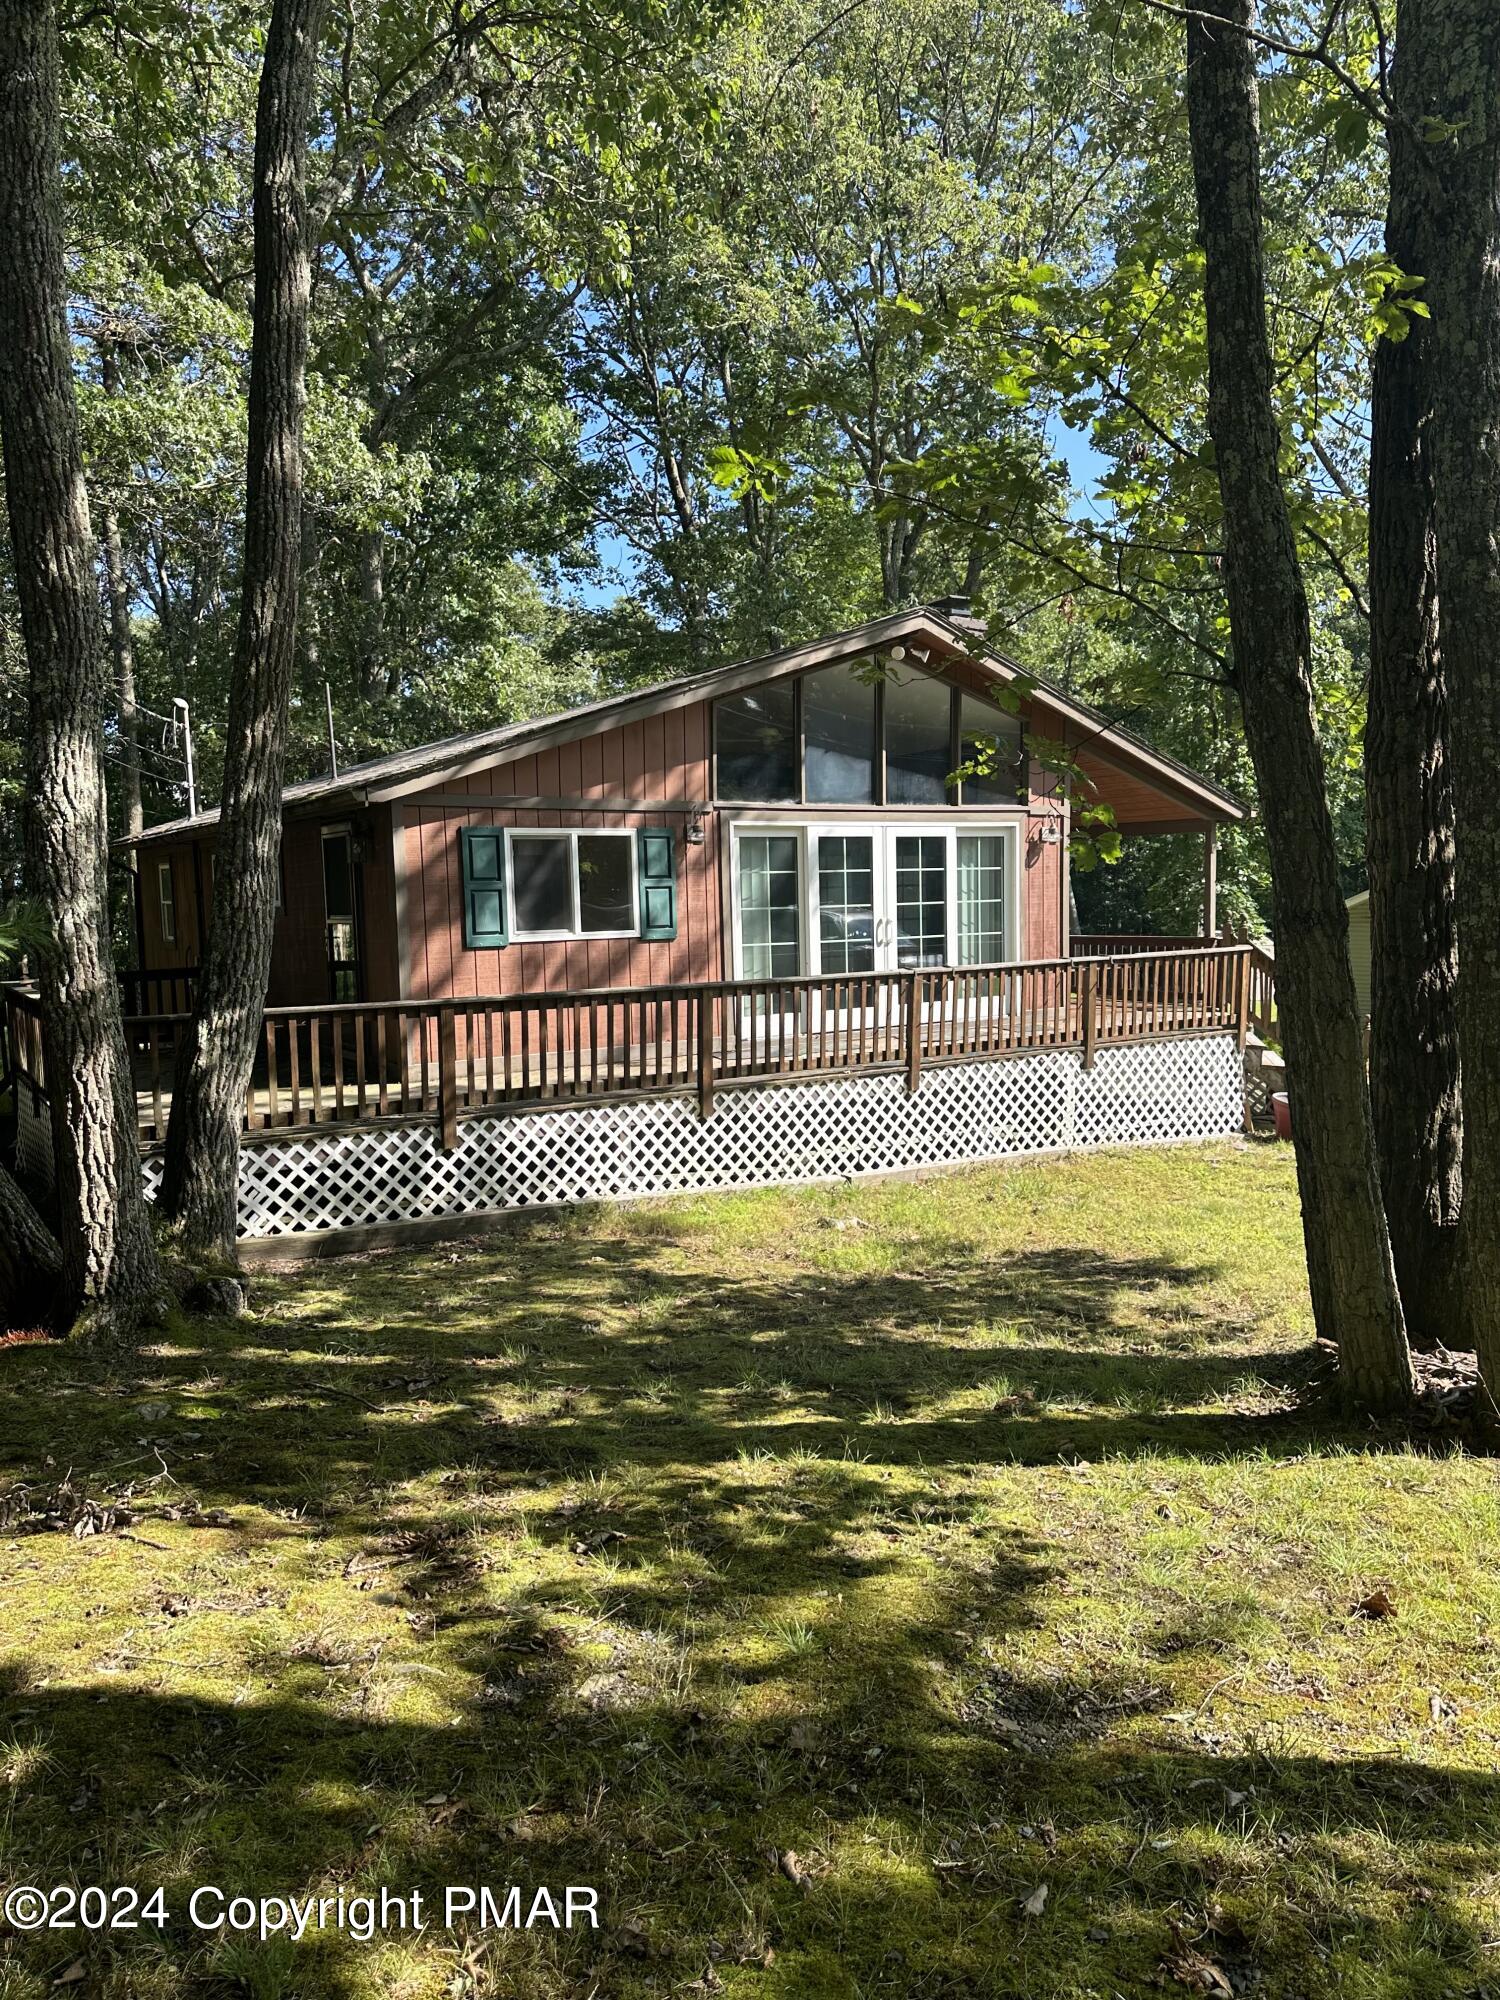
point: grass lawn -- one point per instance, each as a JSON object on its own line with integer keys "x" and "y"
{"x": 924, "y": 1589}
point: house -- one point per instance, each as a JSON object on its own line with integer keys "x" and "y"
{"x": 793, "y": 815}
{"x": 799, "y": 918}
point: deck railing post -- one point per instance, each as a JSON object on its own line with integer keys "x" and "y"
{"x": 1242, "y": 997}
{"x": 914, "y": 1032}
{"x": 1089, "y": 1006}
{"x": 447, "y": 1078}
{"x": 705, "y": 1031}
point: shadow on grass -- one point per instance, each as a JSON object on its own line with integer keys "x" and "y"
{"x": 657, "y": 1604}
{"x": 916, "y": 1838}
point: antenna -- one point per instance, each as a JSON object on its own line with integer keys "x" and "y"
{"x": 180, "y": 715}
{"x": 166, "y": 760}
{"x": 333, "y": 748}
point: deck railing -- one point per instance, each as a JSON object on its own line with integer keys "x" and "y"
{"x": 159, "y": 992}
{"x": 1261, "y": 1006}
{"x": 338, "y": 1064}
{"x": 1115, "y": 944}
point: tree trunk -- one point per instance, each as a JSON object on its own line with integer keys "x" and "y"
{"x": 1349, "y": 1263}
{"x": 1460, "y": 84}
{"x": 31, "y": 1263}
{"x": 203, "y": 1137}
{"x": 122, "y": 646}
{"x": 109, "y": 1260}
{"x": 1414, "y": 1075}
{"x": 372, "y": 678}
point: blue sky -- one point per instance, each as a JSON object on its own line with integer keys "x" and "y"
{"x": 1085, "y": 467}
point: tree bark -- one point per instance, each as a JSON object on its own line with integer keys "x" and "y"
{"x": 1460, "y": 84}
{"x": 1414, "y": 1071}
{"x": 1352, "y": 1278}
{"x": 31, "y": 1262}
{"x": 372, "y": 667}
{"x": 109, "y": 1260}
{"x": 203, "y": 1137}
{"x": 122, "y": 646}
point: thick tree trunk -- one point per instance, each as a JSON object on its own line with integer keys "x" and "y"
{"x": 1460, "y": 84}
{"x": 203, "y": 1137}
{"x": 1348, "y": 1252}
{"x": 31, "y": 1263}
{"x": 109, "y": 1261}
{"x": 1414, "y": 1075}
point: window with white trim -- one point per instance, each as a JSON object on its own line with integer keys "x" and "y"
{"x": 167, "y": 900}
{"x": 568, "y": 884}
{"x": 844, "y": 898}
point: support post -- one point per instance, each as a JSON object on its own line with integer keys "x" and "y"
{"x": 914, "y": 991}
{"x": 1089, "y": 1004}
{"x": 1211, "y": 882}
{"x": 447, "y": 1079}
{"x": 1242, "y": 997}
{"x": 705, "y": 1052}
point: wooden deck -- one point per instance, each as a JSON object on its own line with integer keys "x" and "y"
{"x": 337, "y": 1065}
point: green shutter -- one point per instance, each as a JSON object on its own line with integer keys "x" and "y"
{"x": 482, "y": 853}
{"x": 658, "y": 872}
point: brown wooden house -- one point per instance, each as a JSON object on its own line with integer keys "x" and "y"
{"x": 859, "y": 804}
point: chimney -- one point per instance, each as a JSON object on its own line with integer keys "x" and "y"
{"x": 958, "y": 611}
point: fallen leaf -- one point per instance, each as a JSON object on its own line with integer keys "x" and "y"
{"x": 1199, "y": 1974}
{"x": 793, "y": 1870}
{"x": 1034, "y": 1904}
{"x": 71, "y": 1977}
{"x": 1378, "y": 1604}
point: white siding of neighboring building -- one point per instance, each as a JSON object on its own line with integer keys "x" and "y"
{"x": 1359, "y": 948}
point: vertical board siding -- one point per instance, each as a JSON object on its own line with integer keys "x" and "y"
{"x": 159, "y": 955}
{"x": 664, "y": 756}
{"x": 1041, "y": 889}
{"x": 299, "y": 950}
{"x": 661, "y": 757}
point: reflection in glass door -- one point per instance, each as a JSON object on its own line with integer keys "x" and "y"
{"x": 981, "y": 898}
{"x": 846, "y": 902}
{"x": 921, "y": 899}
{"x": 341, "y": 915}
{"x": 770, "y": 917}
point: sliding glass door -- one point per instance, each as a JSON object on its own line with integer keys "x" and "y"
{"x": 919, "y": 900}
{"x": 770, "y": 905}
{"x": 845, "y": 901}
{"x": 847, "y": 917}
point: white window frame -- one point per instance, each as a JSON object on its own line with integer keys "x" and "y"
{"x": 756, "y": 828}
{"x": 576, "y": 934}
{"x": 166, "y": 899}
{"x": 883, "y": 832}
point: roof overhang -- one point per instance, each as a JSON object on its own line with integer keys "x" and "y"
{"x": 1101, "y": 747}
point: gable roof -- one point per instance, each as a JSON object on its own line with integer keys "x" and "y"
{"x": 402, "y": 772}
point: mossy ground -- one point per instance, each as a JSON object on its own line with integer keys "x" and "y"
{"x": 958, "y": 1537}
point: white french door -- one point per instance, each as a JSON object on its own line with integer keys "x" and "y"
{"x": 845, "y": 900}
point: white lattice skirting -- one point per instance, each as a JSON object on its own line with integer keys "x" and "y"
{"x": 758, "y": 1136}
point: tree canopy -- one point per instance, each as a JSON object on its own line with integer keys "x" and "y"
{"x": 649, "y": 341}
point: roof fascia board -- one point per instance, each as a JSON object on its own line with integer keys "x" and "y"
{"x": 660, "y": 701}
{"x": 1121, "y": 751}
{"x": 1163, "y": 777}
